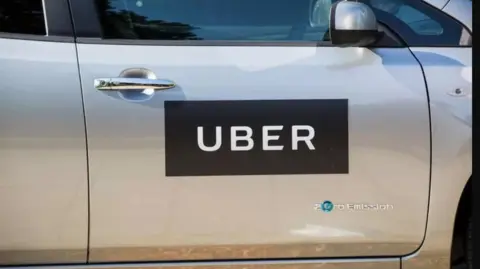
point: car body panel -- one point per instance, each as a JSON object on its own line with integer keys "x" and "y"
{"x": 446, "y": 69}
{"x": 139, "y": 214}
{"x": 43, "y": 187}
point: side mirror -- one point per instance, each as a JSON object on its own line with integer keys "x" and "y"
{"x": 353, "y": 24}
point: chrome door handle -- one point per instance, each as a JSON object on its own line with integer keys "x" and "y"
{"x": 132, "y": 84}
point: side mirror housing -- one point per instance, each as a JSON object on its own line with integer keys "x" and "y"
{"x": 353, "y": 24}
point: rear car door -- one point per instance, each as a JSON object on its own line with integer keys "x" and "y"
{"x": 267, "y": 142}
{"x": 43, "y": 158}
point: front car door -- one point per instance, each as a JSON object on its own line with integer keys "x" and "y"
{"x": 270, "y": 142}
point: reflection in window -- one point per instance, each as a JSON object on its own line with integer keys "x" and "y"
{"x": 415, "y": 19}
{"x": 213, "y": 19}
{"x": 418, "y": 23}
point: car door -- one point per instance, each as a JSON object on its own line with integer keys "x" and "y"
{"x": 43, "y": 158}
{"x": 258, "y": 138}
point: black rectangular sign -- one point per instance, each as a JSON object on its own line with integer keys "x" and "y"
{"x": 258, "y": 137}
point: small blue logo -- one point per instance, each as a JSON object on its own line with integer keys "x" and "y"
{"x": 327, "y": 206}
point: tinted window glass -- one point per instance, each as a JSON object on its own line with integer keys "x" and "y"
{"x": 266, "y": 20}
{"x": 418, "y": 23}
{"x": 22, "y": 17}
{"x": 213, "y": 19}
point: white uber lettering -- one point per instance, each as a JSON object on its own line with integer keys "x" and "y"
{"x": 235, "y": 137}
{"x": 201, "y": 142}
{"x": 245, "y": 134}
{"x": 307, "y": 139}
{"x": 266, "y": 137}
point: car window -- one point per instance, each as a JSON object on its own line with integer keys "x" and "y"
{"x": 214, "y": 19}
{"x": 265, "y": 20}
{"x": 22, "y": 17}
{"x": 418, "y": 23}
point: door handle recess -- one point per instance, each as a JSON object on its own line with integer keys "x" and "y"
{"x": 132, "y": 84}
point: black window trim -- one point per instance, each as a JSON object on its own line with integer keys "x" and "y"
{"x": 87, "y": 30}
{"x": 58, "y": 24}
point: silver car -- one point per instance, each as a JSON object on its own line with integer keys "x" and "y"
{"x": 260, "y": 134}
